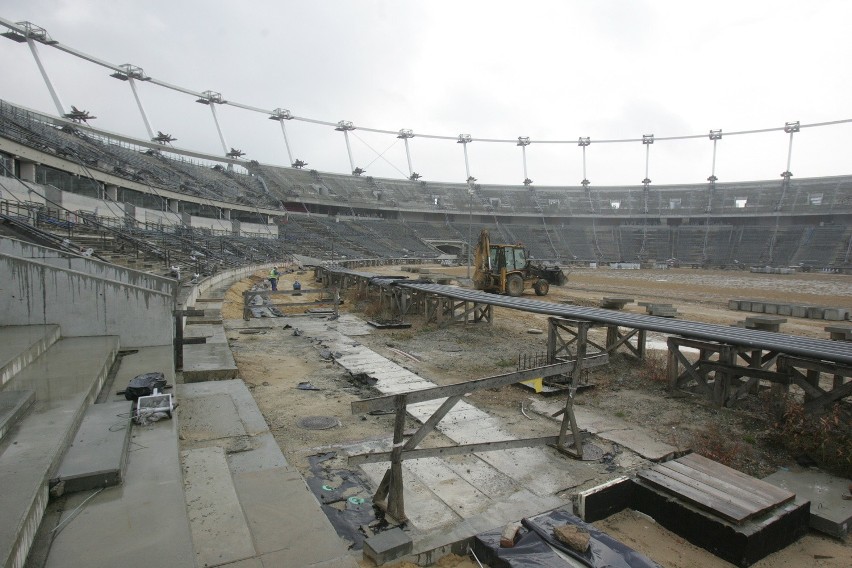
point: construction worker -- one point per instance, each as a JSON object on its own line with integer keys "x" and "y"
{"x": 273, "y": 278}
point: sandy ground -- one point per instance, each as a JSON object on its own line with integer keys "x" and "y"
{"x": 273, "y": 362}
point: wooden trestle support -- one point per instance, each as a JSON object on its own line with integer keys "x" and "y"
{"x": 725, "y": 374}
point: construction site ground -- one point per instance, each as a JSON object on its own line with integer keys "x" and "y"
{"x": 273, "y": 361}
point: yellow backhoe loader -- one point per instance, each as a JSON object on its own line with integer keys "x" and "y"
{"x": 507, "y": 269}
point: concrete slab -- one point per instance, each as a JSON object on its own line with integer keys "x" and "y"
{"x": 610, "y": 428}
{"x": 22, "y": 344}
{"x": 213, "y": 333}
{"x": 220, "y": 533}
{"x": 830, "y": 513}
{"x": 144, "y": 360}
{"x": 145, "y": 513}
{"x": 272, "y": 499}
{"x": 208, "y": 362}
{"x": 209, "y": 417}
{"x": 285, "y": 521}
{"x": 98, "y": 455}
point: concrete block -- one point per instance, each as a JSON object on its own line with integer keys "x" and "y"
{"x": 208, "y": 362}
{"x": 815, "y": 312}
{"x": 733, "y": 304}
{"x": 785, "y": 310}
{"x": 799, "y": 311}
{"x": 98, "y": 455}
{"x": 387, "y": 545}
{"x": 829, "y": 513}
{"x": 769, "y": 308}
{"x": 757, "y": 307}
{"x": 835, "y": 314}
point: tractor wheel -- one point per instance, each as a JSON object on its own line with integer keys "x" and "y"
{"x": 541, "y": 287}
{"x": 514, "y": 285}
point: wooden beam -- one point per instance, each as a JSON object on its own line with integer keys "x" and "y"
{"x": 433, "y": 420}
{"x": 386, "y": 402}
{"x": 377, "y": 457}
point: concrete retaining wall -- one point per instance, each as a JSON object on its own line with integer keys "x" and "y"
{"x": 92, "y": 267}
{"x": 34, "y": 292}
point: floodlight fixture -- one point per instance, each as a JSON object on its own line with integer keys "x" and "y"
{"x": 210, "y": 97}
{"x": 791, "y": 127}
{"x": 787, "y": 175}
{"x": 281, "y": 114}
{"x": 528, "y": 182}
{"x": 715, "y": 135}
{"x": 712, "y": 179}
{"x": 647, "y": 139}
{"x": 405, "y": 133}
{"x": 471, "y": 180}
{"x": 646, "y": 182}
{"x": 414, "y": 176}
{"x": 344, "y": 126}
{"x": 129, "y": 71}
{"x": 523, "y": 140}
{"x": 585, "y": 183}
{"x": 358, "y": 171}
{"x": 584, "y": 141}
{"x": 464, "y": 139}
{"x": 299, "y": 164}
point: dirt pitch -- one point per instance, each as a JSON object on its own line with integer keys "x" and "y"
{"x": 274, "y": 361}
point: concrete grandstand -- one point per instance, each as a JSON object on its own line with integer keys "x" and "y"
{"x": 76, "y": 175}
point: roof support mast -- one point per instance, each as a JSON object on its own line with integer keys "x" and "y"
{"x": 281, "y": 114}
{"x": 32, "y": 33}
{"x": 130, "y": 73}
{"x": 523, "y": 142}
{"x": 345, "y": 126}
{"x": 464, "y": 140}
{"x": 405, "y": 134}
{"x": 211, "y": 99}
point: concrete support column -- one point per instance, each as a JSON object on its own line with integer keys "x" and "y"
{"x": 173, "y": 205}
{"x": 226, "y": 214}
{"x": 235, "y": 227}
{"x": 111, "y": 192}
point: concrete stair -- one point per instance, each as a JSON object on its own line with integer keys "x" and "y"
{"x": 49, "y": 383}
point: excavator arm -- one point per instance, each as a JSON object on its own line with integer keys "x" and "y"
{"x": 482, "y": 261}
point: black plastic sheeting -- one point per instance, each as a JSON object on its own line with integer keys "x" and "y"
{"x": 534, "y": 548}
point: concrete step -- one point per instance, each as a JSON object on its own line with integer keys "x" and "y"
{"x": 98, "y": 456}
{"x": 150, "y": 501}
{"x": 13, "y": 405}
{"x": 65, "y": 380}
{"x": 22, "y": 344}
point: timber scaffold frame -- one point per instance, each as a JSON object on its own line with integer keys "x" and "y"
{"x": 732, "y": 361}
{"x": 389, "y": 495}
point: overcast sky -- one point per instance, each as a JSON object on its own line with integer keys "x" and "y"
{"x": 548, "y": 70}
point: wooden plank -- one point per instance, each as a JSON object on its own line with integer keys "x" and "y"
{"x": 707, "y": 484}
{"x": 735, "y": 490}
{"x": 376, "y": 457}
{"x": 718, "y": 497}
{"x": 765, "y": 490}
{"x": 699, "y": 498}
